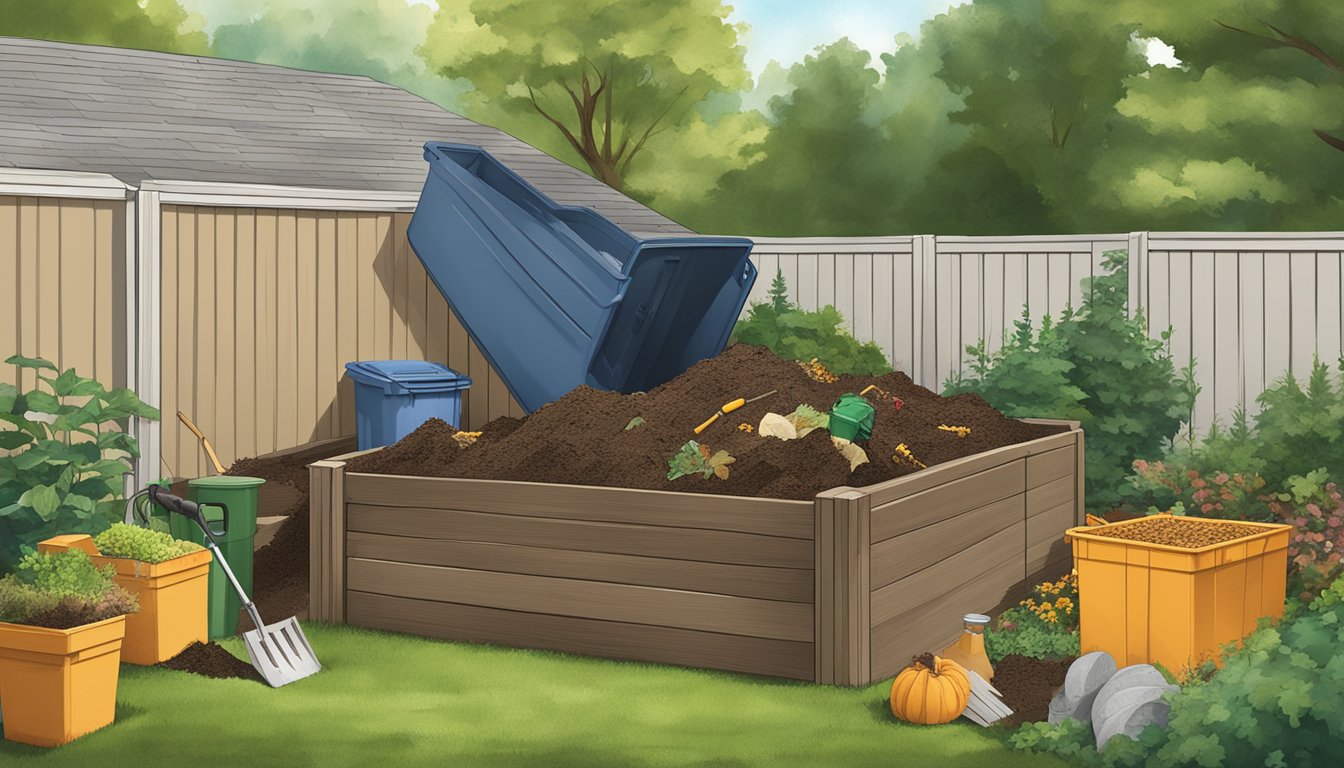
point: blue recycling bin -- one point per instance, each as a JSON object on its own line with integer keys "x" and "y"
{"x": 394, "y": 397}
{"x": 559, "y": 296}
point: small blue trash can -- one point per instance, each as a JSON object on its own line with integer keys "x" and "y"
{"x": 394, "y": 397}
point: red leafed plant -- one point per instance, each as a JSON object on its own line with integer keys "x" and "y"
{"x": 1315, "y": 509}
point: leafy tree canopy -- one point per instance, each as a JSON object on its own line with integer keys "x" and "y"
{"x": 153, "y": 25}
{"x": 606, "y": 76}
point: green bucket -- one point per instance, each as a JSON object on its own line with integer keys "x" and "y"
{"x": 852, "y": 418}
{"x": 229, "y": 504}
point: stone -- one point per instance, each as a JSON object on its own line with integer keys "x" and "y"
{"x": 1085, "y": 678}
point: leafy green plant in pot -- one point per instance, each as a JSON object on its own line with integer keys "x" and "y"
{"x": 62, "y": 619}
{"x": 67, "y": 451}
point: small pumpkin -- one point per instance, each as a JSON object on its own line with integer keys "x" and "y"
{"x": 930, "y": 691}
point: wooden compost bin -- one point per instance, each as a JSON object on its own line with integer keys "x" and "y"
{"x": 840, "y": 590}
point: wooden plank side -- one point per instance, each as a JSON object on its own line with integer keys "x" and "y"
{"x": 608, "y": 639}
{"x": 948, "y": 500}
{"x": 824, "y": 607}
{"x": 244, "y": 354}
{"x": 886, "y": 492}
{"x": 1045, "y": 536}
{"x": 11, "y": 310}
{"x": 582, "y": 535}
{"x": 169, "y": 395}
{"x": 26, "y": 258}
{"x": 267, "y": 331}
{"x": 286, "y": 331}
{"x": 205, "y": 342}
{"x": 786, "y": 584}
{"x": 585, "y": 599}
{"x": 48, "y": 267}
{"x": 310, "y": 406}
{"x": 77, "y": 290}
{"x": 899, "y": 556}
{"x": 769, "y": 517}
{"x": 1051, "y": 465}
{"x": 319, "y": 521}
{"x": 1050, "y": 495}
{"x": 936, "y": 623}
{"x": 325, "y": 331}
{"x": 186, "y": 459}
{"x": 225, "y": 404}
{"x": 901, "y": 596}
{"x": 348, "y": 278}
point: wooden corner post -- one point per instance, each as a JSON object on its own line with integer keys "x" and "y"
{"x": 842, "y": 565}
{"x": 326, "y": 541}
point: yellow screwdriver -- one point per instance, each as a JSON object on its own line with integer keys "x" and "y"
{"x": 729, "y": 408}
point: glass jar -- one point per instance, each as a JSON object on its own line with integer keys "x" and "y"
{"x": 969, "y": 649}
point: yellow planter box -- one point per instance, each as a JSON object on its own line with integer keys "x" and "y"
{"x": 1150, "y": 603}
{"x": 58, "y": 684}
{"x": 172, "y": 595}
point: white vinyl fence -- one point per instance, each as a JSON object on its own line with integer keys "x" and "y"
{"x": 1246, "y": 307}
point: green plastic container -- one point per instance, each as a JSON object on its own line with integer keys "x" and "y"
{"x": 852, "y": 418}
{"x": 229, "y": 504}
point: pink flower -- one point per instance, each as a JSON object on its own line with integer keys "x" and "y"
{"x": 1300, "y": 522}
{"x": 1314, "y": 510}
{"x": 1333, "y": 522}
{"x": 1192, "y": 474}
{"x": 1140, "y": 466}
{"x": 1197, "y": 482}
{"x": 1206, "y": 508}
{"x": 1220, "y": 478}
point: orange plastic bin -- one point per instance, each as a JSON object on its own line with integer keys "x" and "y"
{"x": 172, "y": 597}
{"x": 1150, "y": 603}
{"x": 59, "y": 684}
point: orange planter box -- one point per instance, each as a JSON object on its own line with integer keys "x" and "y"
{"x": 172, "y": 595}
{"x": 1150, "y": 603}
{"x": 58, "y": 684}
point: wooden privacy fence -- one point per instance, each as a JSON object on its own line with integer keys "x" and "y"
{"x": 1245, "y": 307}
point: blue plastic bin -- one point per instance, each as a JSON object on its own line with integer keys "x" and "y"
{"x": 558, "y": 296}
{"x": 394, "y": 397}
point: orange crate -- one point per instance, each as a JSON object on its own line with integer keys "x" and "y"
{"x": 172, "y": 597}
{"x": 1152, "y": 603}
{"x": 59, "y": 684}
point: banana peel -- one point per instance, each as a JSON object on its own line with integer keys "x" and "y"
{"x": 849, "y": 450}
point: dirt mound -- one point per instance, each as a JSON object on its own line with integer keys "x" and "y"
{"x": 211, "y": 660}
{"x": 1027, "y": 686}
{"x": 582, "y": 437}
{"x": 280, "y": 569}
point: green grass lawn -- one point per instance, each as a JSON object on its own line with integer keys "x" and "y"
{"x": 389, "y": 701}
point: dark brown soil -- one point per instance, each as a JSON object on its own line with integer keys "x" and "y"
{"x": 280, "y": 569}
{"x": 581, "y": 438}
{"x": 211, "y": 660}
{"x": 73, "y": 612}
{"x": 1027, "y": 686}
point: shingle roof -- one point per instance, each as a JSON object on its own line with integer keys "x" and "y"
{"x": 140, "y": 115}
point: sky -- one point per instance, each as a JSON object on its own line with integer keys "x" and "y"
{"x": 787, "y": 30}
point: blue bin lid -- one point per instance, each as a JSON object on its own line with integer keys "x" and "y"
{"x": 408, "y": 377}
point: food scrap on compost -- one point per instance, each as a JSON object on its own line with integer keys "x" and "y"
{"x": 580, "y": 438}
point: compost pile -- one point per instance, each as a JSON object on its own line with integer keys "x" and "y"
{"x": 587, "y": 437}
{"x": 280, "y": 569}
{"x": 211, "y": 660}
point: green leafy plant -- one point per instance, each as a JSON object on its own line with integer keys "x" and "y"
{"x": 794, "y": 333}
{"x": 1219, "y": 494}
{"x": 61, "y": 590}
{"x": 1298, "y": 430}
{"x": 1043, "y": 626}
{"x": 1097, "y": 365}
{"x": 694, "y": 458}
{"x": 143, "y": 544}
{"x": 67, "y": 455}
{"x": 634, "y": 423}
{"x": 805, "y": 417}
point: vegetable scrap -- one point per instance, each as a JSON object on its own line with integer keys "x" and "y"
{"x": 694, "y": 458}
{"x": 466, "y": 438}
{"x": 903, "y": 455}
{"x": 744, "y": 427}
{"x": 961, "y": 431}
{"x": 818, "y": 372}
{"x": 638, "y": 421}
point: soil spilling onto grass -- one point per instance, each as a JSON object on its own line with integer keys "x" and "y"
{"x": 280, "y": 569}
{"x": 211, "y": 660}
{"x": 582, "y": 437}
{"x": 1027, "y": 686}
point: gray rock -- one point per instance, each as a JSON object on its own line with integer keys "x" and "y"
{"x": 1130, "y": 701}
{"x": 1085, "y": 679}
{"x": 1131, "y": 722}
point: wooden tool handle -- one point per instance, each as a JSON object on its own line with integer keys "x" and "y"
{"x": 182, "y": 417}
{"x": 708, "y": 421}
{"x": 733, "y": 406}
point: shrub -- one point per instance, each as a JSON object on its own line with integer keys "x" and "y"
{"x": 1042, "y": 626}
{"x": 1132, "y": 396}
{"x": 1276, "y": 702}
{"x": 794, "y": 333}
{"x": 67, "y": 457}
{"x": 1315, "y": 509}
{"x": 1298, "y": 429}
{"x": 1229, "y": 496}
{"x": 143, "y": 544}
{"x": 61, "y": 590}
